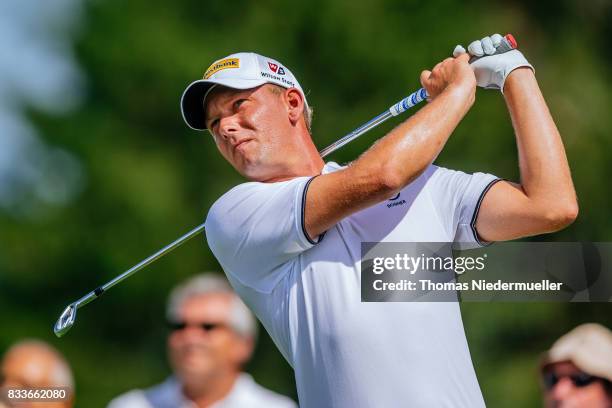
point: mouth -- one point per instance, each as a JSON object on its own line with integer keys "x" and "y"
{"x": 238, "y": 145}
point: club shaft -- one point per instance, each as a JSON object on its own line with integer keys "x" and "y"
{"x": 173, "y": 245}
{"x": 355, "y": 133}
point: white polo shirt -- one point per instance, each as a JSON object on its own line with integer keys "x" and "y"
{"x": 346, "y": 353}
{"x": 246, "y": 393}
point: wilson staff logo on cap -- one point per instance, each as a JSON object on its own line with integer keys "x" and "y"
{"x": 244, "y": 70}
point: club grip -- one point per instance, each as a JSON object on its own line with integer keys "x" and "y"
{"x": 408, "y": 102}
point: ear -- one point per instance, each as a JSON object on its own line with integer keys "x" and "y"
{"x": 295, "y": 104}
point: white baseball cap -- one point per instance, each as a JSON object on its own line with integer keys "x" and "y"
{"x": 588, "y": 346}
{"x": 243, "y": 70}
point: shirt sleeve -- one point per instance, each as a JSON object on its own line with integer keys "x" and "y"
{"x": 255, "y": 228}
{"x": 460, "y": 196}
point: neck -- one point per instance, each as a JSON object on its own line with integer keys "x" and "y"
{"x": 306, "y": 161}
{"x": 301, "y": 170}
{"x": 215, "y": 389}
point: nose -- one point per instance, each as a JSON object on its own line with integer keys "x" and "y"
{"x": 562, "y": 389}
{"x": 228, "y": 127}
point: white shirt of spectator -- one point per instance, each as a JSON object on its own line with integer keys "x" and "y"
{"x": 349, "y": 354}
{"x": 246, "y": 393}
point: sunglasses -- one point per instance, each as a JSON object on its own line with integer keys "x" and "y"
{"x": 207, "y": 327}
{"x": 579, "y": 380}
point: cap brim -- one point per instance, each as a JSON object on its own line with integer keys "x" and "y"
{"x": 192, "y": 101}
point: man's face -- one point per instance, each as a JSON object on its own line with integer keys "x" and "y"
{"x": 568, "y": 387}
{"x": 30, "y": 367}
{"x": 251, "y": 128}
{"x": 206, "y": 347}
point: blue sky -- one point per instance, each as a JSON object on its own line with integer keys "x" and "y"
{"x": 38, "y": 71}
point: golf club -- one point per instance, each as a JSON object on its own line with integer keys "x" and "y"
{"x": 68, "y": 316}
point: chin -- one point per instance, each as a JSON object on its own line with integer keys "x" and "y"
{"x": 253, "y": 172}
{"x": 191, "y": 372}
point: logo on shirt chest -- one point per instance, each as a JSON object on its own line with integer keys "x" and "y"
{"x": 395, "y": 201}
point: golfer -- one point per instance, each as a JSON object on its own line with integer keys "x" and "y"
{"x": 289, "y": 239}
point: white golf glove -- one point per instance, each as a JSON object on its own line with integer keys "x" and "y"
{"x": 492, "y": 70}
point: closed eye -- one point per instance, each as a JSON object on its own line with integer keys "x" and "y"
{"x": 238, "y": 103}
{"x": 212, "y": 124}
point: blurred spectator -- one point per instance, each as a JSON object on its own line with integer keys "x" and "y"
{"x": 34, "y": 364}
{"x": 577, "y": 370}
{"x": 213, "y": 336}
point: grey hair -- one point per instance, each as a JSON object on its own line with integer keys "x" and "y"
{"x": 241, "y": 318}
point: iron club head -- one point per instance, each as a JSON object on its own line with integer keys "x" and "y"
{"x": 66, "y": 320}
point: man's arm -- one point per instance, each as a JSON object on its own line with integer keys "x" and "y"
{"x": 398, "y": 158}
{"x": 545, "y": 200}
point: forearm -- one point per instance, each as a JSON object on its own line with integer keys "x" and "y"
{"x": 404, "y": 153}
{"x": 544, "y": 170}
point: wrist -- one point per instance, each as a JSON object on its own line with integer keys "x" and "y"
{"x": 518, "y": 78}
{"x": 464, "y": 91}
